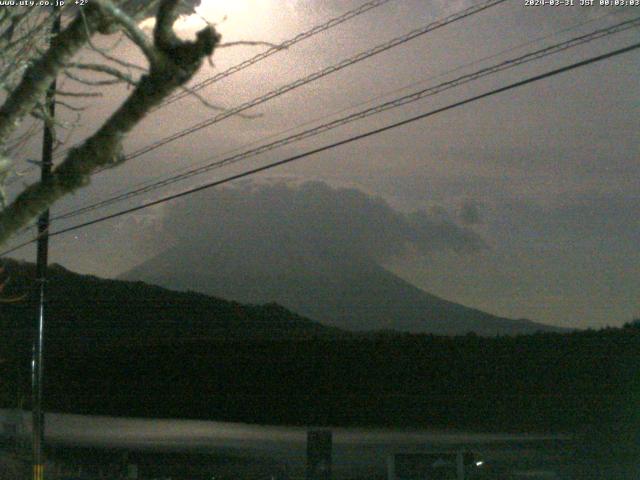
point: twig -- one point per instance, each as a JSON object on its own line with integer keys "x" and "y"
{"x": 90, "y": 83}
{"x": 131, "y": 28}
{"x": 70, "y": 107}
{"x": 212, "y": 106}
{"x": 177, "y": 61}
{"x": 37, "y": 77}
{"x": 114, "y": 72}
{"x": 64, "y": 93}
{"x": 102, "y": 52}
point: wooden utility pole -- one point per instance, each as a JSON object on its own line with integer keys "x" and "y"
{"x": 37, "y": 363}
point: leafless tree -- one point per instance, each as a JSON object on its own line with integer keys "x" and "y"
{"x": 30, "y": 61}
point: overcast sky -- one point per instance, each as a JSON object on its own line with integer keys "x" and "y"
{"x": 545, "y": 177}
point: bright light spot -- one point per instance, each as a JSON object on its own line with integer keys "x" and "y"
{"x": 479, "y": 463}
{"x": 263, "y": 20}
{"x": 216, "y": 10}
{"x": 230, "y": 17}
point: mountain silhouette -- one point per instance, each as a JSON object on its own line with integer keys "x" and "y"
{"x": 344, "y": 291}
{"x": 85, "y": 311}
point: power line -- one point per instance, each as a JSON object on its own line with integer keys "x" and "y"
{"x": 308, "y": 79}
{"x": 275, "y": 49}
{"x": 185, "y": 170}
{"x": 330, "y": 146}
{"x": 333, "y": 22}
{"x": 317, "y": 75}
{"x": 395, "y": 103}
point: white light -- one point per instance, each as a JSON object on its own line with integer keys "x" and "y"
{"x": 479, "y": 463}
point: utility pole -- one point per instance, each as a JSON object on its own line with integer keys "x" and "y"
{"x": 41, "y": 273}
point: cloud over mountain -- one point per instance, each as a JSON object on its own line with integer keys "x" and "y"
{"x": 318, "y": 251}
{"x": 339, "y": 221}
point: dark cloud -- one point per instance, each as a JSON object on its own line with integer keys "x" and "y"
{"x": 430, "y": 234}
{"x": 338, "y": 221}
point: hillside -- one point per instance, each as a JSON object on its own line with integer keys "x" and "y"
{"x": 88, "y": 312}
{"x": 127, "y": 348}
{"x": 349, "y": 293}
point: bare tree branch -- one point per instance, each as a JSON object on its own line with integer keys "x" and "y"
{"x": 90, "y": 83}
{"x": 21, "y": 140}
{"x": 65, "y": 93}
{"x": 123, "y": 63}
{"x": 172, "y": 64}
{"x": 118, "y": 75}
{"x": 68, "y": 106}
{"x": 130, "y": 27}
{"x": 39, "y": 76}
{"x": 213, "y": 106}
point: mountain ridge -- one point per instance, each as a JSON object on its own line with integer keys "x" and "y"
{"x": 355, "y": 294}
{"x": 89, "y": 312}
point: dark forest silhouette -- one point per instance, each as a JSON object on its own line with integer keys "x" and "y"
{"x": 127, "y": 348}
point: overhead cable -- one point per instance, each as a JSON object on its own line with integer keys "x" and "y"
{"x": 317, "y": 75}
{"x": 333, "y": 22}
{"x": 276, "y": 48}
{"x": 395, "y": 103}
{"x": 333, "y": 145}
